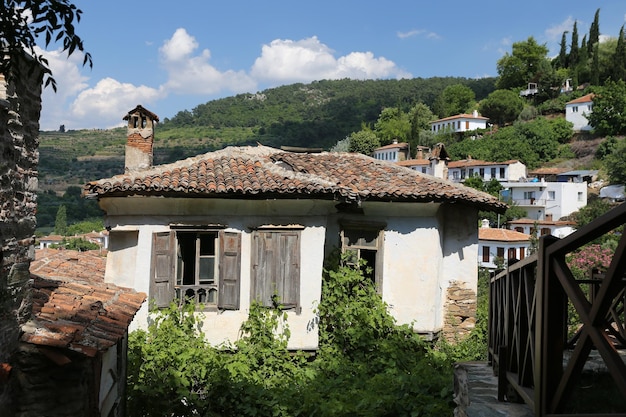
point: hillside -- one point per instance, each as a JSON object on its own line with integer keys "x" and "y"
{"x": 313, "y": 115}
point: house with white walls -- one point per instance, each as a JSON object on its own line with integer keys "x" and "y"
{"x": 394, "y": 152}
{"x": 497, "y": 247}
{"x": 544, "y": 200}
{"x": 577, "y": 110}
{"x": 459, "y": 123}
{"x": 558, "y": 228}
{"x": 506, "y": 171}
{"x": 249, "y": 224}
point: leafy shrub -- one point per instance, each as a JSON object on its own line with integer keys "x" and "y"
{"x": 366, "y": 364}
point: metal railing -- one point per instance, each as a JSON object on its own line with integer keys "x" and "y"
{"x": 531, "y": 349}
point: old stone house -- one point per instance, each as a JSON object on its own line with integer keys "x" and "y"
{"x": 241, "y": 224}
{"x": 61, "y": 338}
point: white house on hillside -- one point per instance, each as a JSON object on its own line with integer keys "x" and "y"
{"x": 394, "y": 152}
{"x": 459, "y": 123}
{"x": 576, "y": 111}
{"x": 505, "y": 171}
{"x": 245, "y": 224}
{"x": 500, "y": 243}
{"x": 558, "y": 228}
{"x": 547, "y": 200}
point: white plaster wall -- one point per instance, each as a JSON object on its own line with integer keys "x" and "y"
{"x": 578, "y": 118}
{"x": 567, "y": 200}
{"x": 516, "y": 171}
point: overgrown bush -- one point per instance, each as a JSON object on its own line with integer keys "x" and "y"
{"x": 367, "y": 365}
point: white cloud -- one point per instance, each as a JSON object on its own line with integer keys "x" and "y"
{"x": 285, "y": 61}
{"x": 554, "y": 33}
{"x": 109, "y": 100}
{"x": 189, "y": 74}
{"x": 418, "y": 32}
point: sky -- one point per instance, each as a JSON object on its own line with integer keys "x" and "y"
{"x": 172, "y": 56}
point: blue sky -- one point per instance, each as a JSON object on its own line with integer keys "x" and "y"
{"x": 171, "y": 58}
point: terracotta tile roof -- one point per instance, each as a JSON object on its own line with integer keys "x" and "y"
{"x": 460, "y": 116}
{"x": 263, "y": 172}
{"x": 544, "y": 222}
{"x": 73, "y": 308}
{"x": 587, "y": 98}
{"x": 547, "y": 171}
{"x": 501, "y": 235}
{"x": 477, "y": 162}
{"x": 413, "y": 162}
{"x": 401, "y": 145}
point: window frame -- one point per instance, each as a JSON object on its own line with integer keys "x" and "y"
{"x": 377, "y": 227}
{"x": 165, "y": 285}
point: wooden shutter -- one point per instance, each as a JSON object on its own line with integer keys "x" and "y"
{"x": 276, "y": 267}
{"x": 162, "y": 268}
{"x": 229, "y": 270}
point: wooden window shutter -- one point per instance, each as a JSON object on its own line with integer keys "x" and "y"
{"x": 229, "y": 270}
{"x": 276, "y": 267}
{"x": 162, "y": 268}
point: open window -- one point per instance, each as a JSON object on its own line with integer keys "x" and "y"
{"x": 276, "y": 268}
{"x": 201, "y": 266}
{"x": 362, "y": 243}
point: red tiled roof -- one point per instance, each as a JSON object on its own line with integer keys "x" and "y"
{"x": 501, "y": 235}
{"x": 261, "y": 172}
{"x": 477, "y": 162}
{"x": 460, "y": 116}
{"x": 543, "y": 222}
{"x": 413, "y": 162}
{"x": 587, "y": 98}
{"x": 73, "y": 308}
{"x": 401, "y": 145}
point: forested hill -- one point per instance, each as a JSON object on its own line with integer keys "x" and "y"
{"x": 312, "y": 115}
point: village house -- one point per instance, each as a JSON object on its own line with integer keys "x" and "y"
{"x": 507, "y": 171}
{"x": 497, "y": 247}
{"x": 558, "y": 228}
{"x": 546, "y": 200}
{"x": 459, "y": 123}
{"x": 245, "y": 224}
{"x": 394, "y": 152}
{"x": 577, "y": 110}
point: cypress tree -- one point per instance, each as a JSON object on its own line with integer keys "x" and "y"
{"x": 594, "y": 33}
{"x": 619, "y": 58}
{"x": 562, "y": 60}
{"x": 573, "y": 50}
{"x": 595, "y": 67}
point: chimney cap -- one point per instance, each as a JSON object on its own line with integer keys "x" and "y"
{"x": 140, "y": 109}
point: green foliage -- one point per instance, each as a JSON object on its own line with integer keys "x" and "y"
{"x": 595, "y": 208}
{"x": 24, "y": 21}
{"x": 78, "y": 244}
{"x": 615, "y": 163}
{"x": 454, "y": 99}
{"x": 364, "y": 141}
{"x": 520, "y": 66}
{"x": 608, "y": 116}
{"x": 77, "y": 209}
{"x": 393, "y": 124}
{"x": 366, "y": 365}
{"x": 86, "y": 226}
{"x": 502, "y": 106}
{"x": 60, "y": 223}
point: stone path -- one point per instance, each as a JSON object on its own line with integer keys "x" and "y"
{"x": 476, "y": 393}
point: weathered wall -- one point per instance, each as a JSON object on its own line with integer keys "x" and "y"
{"x": 19, "y": 129}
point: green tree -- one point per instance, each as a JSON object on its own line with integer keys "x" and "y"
{"x": 502, "y": 106}
{"x": 619, "y": 58}
{"x": 60, "y": 223}
{"x": 561, "y": 61}
{"x": 454, "y": 99}
{"x": 595, "y": 208}
{"x": 392, "y": 124}
{"x": 594, "y": 33}
{"x": 22, "y": 22}
{"x": 595, "y": 67}
{"x": 364, "y": 141}
{"x": 615, "y": 163}
{"x": 574, "y": 55}
{"x": 519, "y": 67}
{"x": 609, "y": 109}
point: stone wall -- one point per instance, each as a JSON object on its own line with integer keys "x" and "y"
{"x": 460, "y": 311}
{"x": 20, "y": 108}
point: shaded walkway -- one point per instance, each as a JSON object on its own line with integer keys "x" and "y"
{"x": 476, "y": 393}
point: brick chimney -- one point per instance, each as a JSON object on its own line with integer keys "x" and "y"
{"x": 139, "y": 139}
